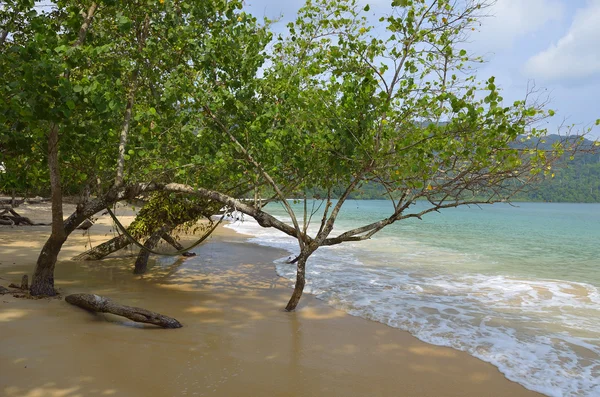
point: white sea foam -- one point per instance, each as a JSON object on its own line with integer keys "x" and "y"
{"x": 541, "y": 333}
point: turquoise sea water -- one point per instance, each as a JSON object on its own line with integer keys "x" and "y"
{"x": 517, "y": 286}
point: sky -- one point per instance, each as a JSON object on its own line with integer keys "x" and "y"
{"x": 554, "y": 44}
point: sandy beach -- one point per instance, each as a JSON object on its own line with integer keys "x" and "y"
{"x": 236, "y": 339}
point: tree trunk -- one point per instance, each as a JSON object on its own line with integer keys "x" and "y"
{"x": 101, "y": 304}
{"x": 300, "y": 281}
{"x": 42, "y": 283}
{"x": 104, "y": 249}
{"x": 43, "y": 276}
{"x": 125, "y": 131}
{"x": 141, "y": 263}
{"x": 3, "y": 35}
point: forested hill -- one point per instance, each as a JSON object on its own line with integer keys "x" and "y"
{"x": 576, "y": 180}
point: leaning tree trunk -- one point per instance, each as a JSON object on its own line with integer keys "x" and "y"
{"x": 104, "y": 249}
{"x": 141, "y": 263}
{"x": 115, "y": 244}
{"x": 300, "y": 280}
{"x": 172, "y": 242}
{"x": 43, "y": 277}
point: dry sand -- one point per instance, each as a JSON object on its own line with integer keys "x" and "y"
{"x": 236, "y": 339}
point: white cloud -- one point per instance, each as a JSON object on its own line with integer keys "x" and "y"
{"x": 577, "y": 54}
{"x": 512, "y": 19}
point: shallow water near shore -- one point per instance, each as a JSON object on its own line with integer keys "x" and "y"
{"x": 515, "y": 286}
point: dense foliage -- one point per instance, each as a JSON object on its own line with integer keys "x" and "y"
{"x": 126, "y": 98}
{"x": 139, "y": 68}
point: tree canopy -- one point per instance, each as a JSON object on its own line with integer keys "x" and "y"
{"x": 199, "y": 98}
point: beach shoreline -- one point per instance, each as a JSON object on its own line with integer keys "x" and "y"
{"x": 236, "y": 340}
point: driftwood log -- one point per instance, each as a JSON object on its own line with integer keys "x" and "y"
{"x": 100, "y": 304}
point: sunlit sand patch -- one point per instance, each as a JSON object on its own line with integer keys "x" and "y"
{"x": 186, "y": 287}
{"x": 424, "y": 368}
{"x": 14, "y": 273}
{"x": 479, "y": 377}
{"x": 12, "y": 314}
{"x": 346, "y": 349}
{"x": 48, "y": 390}
{"x": 431, "y": 351}
{"x": 312, "y": 313}
{"x": 252, "y": 314}
{"x": 19, "y": 244}
{"x": 62, "y": 283}
{"x": 389, "y": 347}
{"x": 203, "y": 310}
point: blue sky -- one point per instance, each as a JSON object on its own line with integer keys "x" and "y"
{"x": 553, "y": 43}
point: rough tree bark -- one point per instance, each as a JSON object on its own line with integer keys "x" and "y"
{"x": 100, "y": 304}
{"x": 300, "y": 277}
{"x": 43, "y": 277}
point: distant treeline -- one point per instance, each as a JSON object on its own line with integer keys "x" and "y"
{"x": 576, "y": 180}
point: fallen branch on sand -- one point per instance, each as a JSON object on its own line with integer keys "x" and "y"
{"x": 24, "y": 284}
{"x": 18, "y": 291}
{"x": 10, "y": 217}
{"x": 100, "y": 304}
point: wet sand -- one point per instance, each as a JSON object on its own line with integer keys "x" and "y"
{"x": 236, "y": 339}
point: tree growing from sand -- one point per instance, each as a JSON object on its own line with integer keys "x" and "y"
{"x": 345, "y": 106}
{"x": 169, "y": 97}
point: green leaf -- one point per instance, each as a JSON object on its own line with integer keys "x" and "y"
{"x": 124, "y": 23}
{"x": 71, "y": 104}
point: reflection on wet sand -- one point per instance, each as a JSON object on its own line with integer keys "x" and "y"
{"x": 236, "y": 340}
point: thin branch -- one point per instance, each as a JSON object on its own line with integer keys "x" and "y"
{"x": 299, "y": 235}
